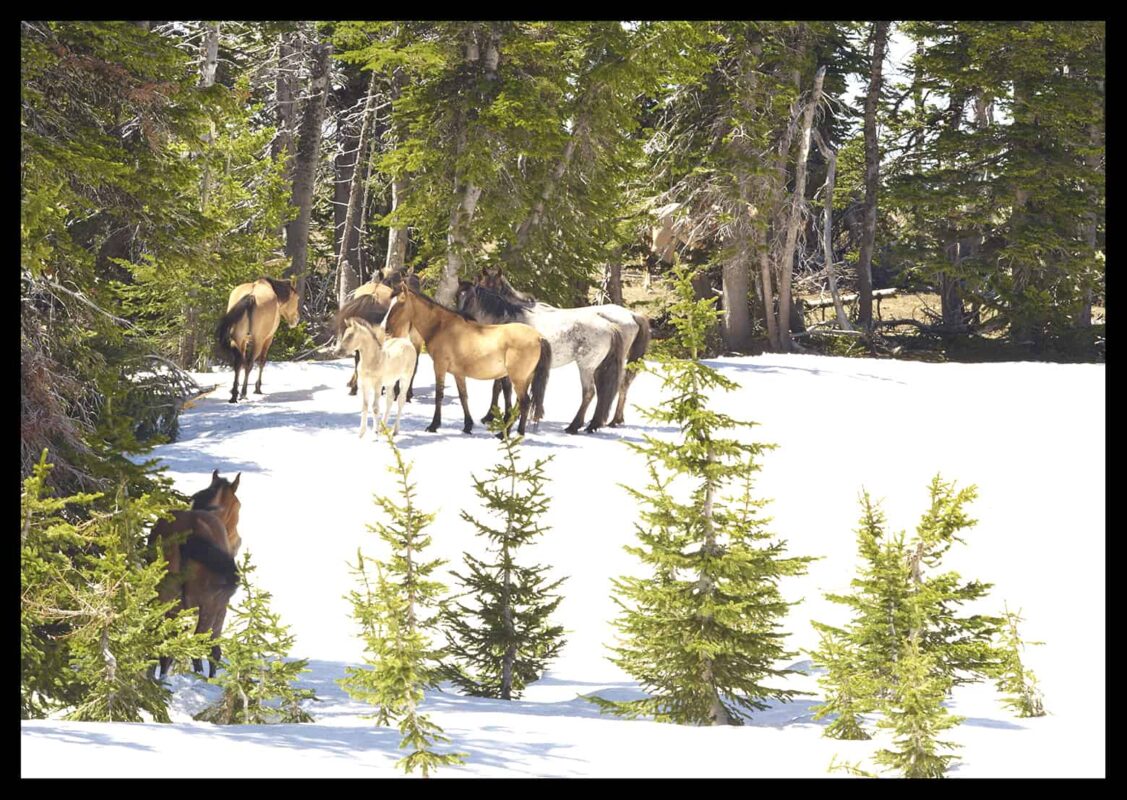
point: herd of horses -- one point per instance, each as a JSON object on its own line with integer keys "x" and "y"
{"x": 496, "y": 333}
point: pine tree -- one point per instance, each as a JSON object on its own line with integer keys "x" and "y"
{"x": 257, "y": 679}
{"x": 396, "y": 615}
{"x": 91, "y": 625}
{"x": 894, "y": 601}
{"x": 916, "y": 716}
{"x": 503, "y": 641}
{"x": 1012, "y": 677}
{"x": 701, "y": 632}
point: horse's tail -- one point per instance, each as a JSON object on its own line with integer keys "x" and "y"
{"x": 540, "y": 379}
{"x": 225, "y": 330}
{"x": 641, "y": 342}
{"x": 218, "y": 561}
{"x": 606, "y": 380}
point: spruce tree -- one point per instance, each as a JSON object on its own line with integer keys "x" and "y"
{"x": 901, "y": 601}
{"x": 503, "y": 641}
{"x": 1012, "y": 677}
{"x": 396, "y": 617}
{"x": 257, "y": 679}
{"x": 701, "y": 631}
{"x": 91, "y": 625}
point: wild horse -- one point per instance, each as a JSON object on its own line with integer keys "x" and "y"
{"x": 384, "y": 361}
{"x": 244, "y": 334}
{"x": 635, "y": 329}
{"x": 370, "y": 302}
{"x": 578, "y": 335}
{"x": 469, "y": 349}
{"x": 200, "y": 546}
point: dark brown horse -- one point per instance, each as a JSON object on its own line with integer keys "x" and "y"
{"x": 200, "y": 546}
{"x": 370, "y": 302}
{"x": 471, "y": 350}
{"x": 244, "y": 334}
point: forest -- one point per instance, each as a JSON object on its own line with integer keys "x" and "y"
{"x": 924, "y": 191}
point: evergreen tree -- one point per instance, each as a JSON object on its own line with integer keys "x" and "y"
{"x": 1011, "y": 677}
{"x": 503, "y": 641}
{"x": 701, "y": 632}
{"x": 916, "y": 716}
{"x": 91, "y": 627}
{"x": 257, "y": 679}
{"x": 396, "y": 616}
{"x": 894, "y": 601}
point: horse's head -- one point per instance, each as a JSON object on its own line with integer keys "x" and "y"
{"x": 220, "y": 499}
{"x": 289, "y": 307}
{"x": 356, "y": 330}
{"x": 399, "y": 314}
{"x": 491, "y": 278}
{"x": 464, "y": 294}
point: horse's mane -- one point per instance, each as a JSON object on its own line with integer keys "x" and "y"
{"x": 432, "y": 302}
{"x": 393, "y": 279}
{"x": 203, "y": 500}
{"x": 281, "y": 288}
{"x": 521, "y": 297}
{"x": 496, "y": 305}
{"x": 366, "y": 307}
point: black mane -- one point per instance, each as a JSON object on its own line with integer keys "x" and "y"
{"x": 492, "y": 306}
{"x": 281, "y": 288}
{"x": 436, "y": 304}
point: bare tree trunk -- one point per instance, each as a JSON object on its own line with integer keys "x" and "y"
{"x": 396, "y": 236}
{"x": 466, "y": 194}
{"x": 285, "y": 91}
{"x": 355, "y": 192}
{"x": 797, "y": 202}
{"x": 305, "y": 165}
{"x": 735, "y": 290}
{"x": 827, "y": 232}
{"x": 210, "y": 53}
{"x": 614, "y": 282}
{"x": 872, "y": 176}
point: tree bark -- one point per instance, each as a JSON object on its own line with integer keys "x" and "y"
{"x": 735, "y": 291}
{"x": 348, "y": 234}
{"x": 396, "y": 236}
{"x": 305, "y": 166}
{"x": 614, "y": 282}
{"x": 797, "y": 202}
{"x": 482, "y": 46}
{"x": 872, "y": 176}
{"x": 827, "y": 234}
{"x": 285, "y": 91}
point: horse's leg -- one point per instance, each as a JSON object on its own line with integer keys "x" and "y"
{"x": 587, "y": 381}
{"x": 262, "y": 365}
{"x": 248, "y": 365}
{"x": 411, "y": 385}
{"x": 354, "y": 381}
{"x": 364, "y": 406}
{"x": 525, "y": 401}
{"x": 399, "y": 412}
{"x": 460, "y": 381}
{"x": 439, "y": 380}
{"x": 165, "y": 663}
{"x": 493, "y": 401}
{"x": 235, "y": 385}
{"x": 624, "y": 378}
{"x": 216, "y": 630}
{"x": 507, "y": 387}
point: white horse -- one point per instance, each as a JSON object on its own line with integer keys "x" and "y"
{"x": 590, "y": 340}
{"x": 384, "y": 361}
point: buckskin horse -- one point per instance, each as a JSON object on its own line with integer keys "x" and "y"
{"x": 244, "y": 334}
{"x": 200, "y": 546}
{"x": 470, "y": 350}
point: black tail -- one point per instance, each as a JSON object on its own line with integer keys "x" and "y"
{"x": 606, "y": 381}
{"x": 540, "y": 380}
{"x": 199, "y": 549}
{"x": 224, "y": 331}
{"x": 641, "y": 342}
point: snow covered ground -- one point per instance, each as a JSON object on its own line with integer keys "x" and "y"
{"x": 1030, "y": 435}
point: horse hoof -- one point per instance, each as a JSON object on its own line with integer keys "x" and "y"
{"x": 431, "y": 428}
{"x": 233, "y": 400}
{"x": 571, "y": 429}
{"x": 467, "y": 429}
{"x": 258, "y": 391}
{"x": 615, "y": 423}
{"x": 592, "y": 428}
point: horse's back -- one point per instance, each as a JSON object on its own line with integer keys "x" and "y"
{"x": 238, "y": 293}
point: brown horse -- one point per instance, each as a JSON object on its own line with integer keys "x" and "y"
{"x": 370, "y": 303}
{"x": 246, "y": 331}
{"x": 200, "y": 546}
{"x": 468, "y": 349}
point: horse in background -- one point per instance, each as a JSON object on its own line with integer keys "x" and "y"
{"x": 469, "y": 349}
{"x": 577, "y": 335}
{"x": 635, "y": 329}
{"x": 200, "y": 547}
{"x": 370, "y": 302}
{"x": 384, "y": 361}
{"x": 244, "y": 334}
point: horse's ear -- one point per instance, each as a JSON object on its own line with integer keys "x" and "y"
{"x": 235, "y": 483}
{"x": 214, "y": 475}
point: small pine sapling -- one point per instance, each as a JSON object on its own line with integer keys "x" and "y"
{"x": 257, "y": 680}
{"x": 503, "y": 640}
{"x": 1012, "y": 677}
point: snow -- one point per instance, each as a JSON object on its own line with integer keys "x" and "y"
{"x": 1030, "y": 435}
